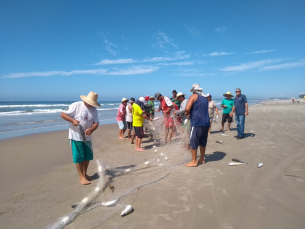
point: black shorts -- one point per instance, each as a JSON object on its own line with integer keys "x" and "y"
{"x": 225, "y": 117}
{"x": 139, "y": 131}
{"x": 129, "y": 125}
{"x": 199, "y": 136}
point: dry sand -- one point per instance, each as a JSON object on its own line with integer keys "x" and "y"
{"x": 39, "y": 182}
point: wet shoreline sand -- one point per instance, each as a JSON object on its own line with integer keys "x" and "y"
{"x": 39, "y": 180}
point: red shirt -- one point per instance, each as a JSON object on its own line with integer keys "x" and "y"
{"x": 165, "y": 103}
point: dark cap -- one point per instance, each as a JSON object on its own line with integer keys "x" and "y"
{"x": 174, "y": 91}
{"x": 132, "y": 99}
{"x": 157, "y": 95}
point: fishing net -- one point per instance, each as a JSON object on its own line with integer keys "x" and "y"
{"x": 122, "y": 174}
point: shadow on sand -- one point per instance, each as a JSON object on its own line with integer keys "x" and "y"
{"x": 246, "y": 135}
{"x": 216, "y": 156}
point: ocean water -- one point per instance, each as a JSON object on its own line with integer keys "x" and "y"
{"x": 23, "y": 118}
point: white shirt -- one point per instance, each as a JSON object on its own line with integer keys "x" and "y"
{"x": 128, "y": 114}
{"x": 86, "y": 116}
{"x": 181, "y": 112}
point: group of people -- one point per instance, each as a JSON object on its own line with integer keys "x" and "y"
{"x": 193, "y": 117}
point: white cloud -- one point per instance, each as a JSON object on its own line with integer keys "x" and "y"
{"x": 182, "y": 63}
{"x": 191, "y": 72}
{"x": 117, "y": 61}
{"x": 193, "y": 30}
{"x": 221, "y": 29}
{"x": 261, "y": 51}
{"x": 176, "y": 56}
{"x": 301, "y": 63}
{"x": 250, "y": 65}
{"x": 218, "y": 54}
{"x": 134, "y": 70}
{"x": 163, "y": 40}
{"x": 110, "y": 47}
{"x": 126, "y": 71}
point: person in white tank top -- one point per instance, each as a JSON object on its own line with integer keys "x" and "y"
{"x": 129, "y": 120}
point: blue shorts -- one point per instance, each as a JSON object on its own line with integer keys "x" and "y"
{"x": 199, "y": 136}
{"x": 81, "y": 151}
{"x": 122, "y": 125}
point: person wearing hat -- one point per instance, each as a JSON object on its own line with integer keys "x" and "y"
{"x": 166, "y": 106}
{"x": 212, "y": 106}
{"x": 227, "y": 104}
{"x": 196, "y": 89}
{"x": 138, "y": 116}
{"x": 197, "y": 108}
{"x": 129, "y": 120}
{"x": 82, "y": 116}
{"x": 152, "y": 105}
{"x": 120, "y": 118}
{"x": 181, "y": 113}
{"x": 174, "y": 99}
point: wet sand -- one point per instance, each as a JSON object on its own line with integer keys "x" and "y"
{"x": 39, "y": 182}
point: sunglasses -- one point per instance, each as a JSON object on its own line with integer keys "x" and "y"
{"x": 237, "y": 91}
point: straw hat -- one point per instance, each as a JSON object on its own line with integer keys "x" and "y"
{"x": 196, "y": 87}
{"x": 91, "y": 99}
{"x": 124, "y": 99}
{"x": 180, "y": 94}
{"x": 151, "y": 97}
{"x": 228, "y": 93}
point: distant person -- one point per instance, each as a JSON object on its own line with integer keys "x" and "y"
{"x": 197, "y": 107}
{"x": 82, "y": 116}
{"x": 227, "y": 104}
{"x": 151, "y": 103}
{"x": 138, "y": 116}
{"x": 120, "y": 118}
{"x": 166, "y": 106}
{"x": 298, "y": 100}
{"x": 241, "y": 110}
{"x": 146, "y": 98}
{"x": 212, "y": 107}
{"x": 184, "y": 119}
{"x": 292, "y": 100}
{"x": 129, "y": 120}
{"x": 174, "y": 99}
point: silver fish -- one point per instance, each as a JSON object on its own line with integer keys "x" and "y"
{"x": 185, "y": 121}
{"x": 82, "y": 132}
{"x": 235, "y": 163}
{"x": 220, "y": 142}
{"x": 237, "y": 160}
{"x": 127, "y": 210}
{"x": 260, "y": 165}
{"x": 110, "y": 203}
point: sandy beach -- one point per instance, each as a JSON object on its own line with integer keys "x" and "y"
{"x": 39, "y": 182}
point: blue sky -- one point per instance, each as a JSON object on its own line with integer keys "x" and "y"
{"x": 58, "y": 50}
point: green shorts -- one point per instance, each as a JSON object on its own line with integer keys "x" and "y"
{"x": 81, "y": 151}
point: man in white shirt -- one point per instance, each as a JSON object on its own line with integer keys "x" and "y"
{"x": 83, "y": 120}
{"x": 184, "y": 119}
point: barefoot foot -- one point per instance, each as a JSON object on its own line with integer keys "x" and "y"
{"x": 200, "y": 162}
{"x": 84, "y": 181}
{"x": 191, "y": 164}
{"x": 88, "y": 177}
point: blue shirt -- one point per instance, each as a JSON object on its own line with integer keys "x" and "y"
{"x": 200, "y": 112}
{"x": 239, "y": 103}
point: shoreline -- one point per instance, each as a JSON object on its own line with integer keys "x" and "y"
{"x": 32, "y": 131}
